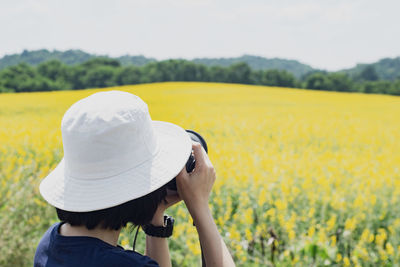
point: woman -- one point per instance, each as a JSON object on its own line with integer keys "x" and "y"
{"x": 116, "y": 165}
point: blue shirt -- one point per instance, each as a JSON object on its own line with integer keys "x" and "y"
{"x": 58, "y": 250}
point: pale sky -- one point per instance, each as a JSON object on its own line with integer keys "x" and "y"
{"x": 327, "y": 34}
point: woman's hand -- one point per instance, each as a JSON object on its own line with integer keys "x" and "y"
{"x": 195, "y": 187}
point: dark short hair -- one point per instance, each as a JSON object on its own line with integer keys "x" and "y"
{"x": 138, "y": 211}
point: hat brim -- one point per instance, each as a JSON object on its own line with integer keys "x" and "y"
{"x": 80, "y": 195}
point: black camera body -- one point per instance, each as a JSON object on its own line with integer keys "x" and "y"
{"x": 191, "y": 163}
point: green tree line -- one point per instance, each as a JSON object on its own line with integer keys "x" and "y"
{"x": 104, "y": 72}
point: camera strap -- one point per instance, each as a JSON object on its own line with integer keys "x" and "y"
{"x": 134, "y": 240}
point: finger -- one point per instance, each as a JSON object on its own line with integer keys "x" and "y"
{"x": 199, "y": 155}
{"x": 183, "y": 174}
{"x": 181, "y": 179}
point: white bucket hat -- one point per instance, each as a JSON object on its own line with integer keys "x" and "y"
{"x": 113, "y": 153}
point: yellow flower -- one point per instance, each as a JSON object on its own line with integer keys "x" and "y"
{"x": 350, "y": 224}
{"x": 292, "y": 235}
{"x": 262, "y": 198}
{"x": 311, "y": 231}
{"x": 124, "y": 243}
{"x": 367, "y": 236}
{"x": 346, "y": 261}
{"x": 248, "y": 216}
{"x": 248, "y": 234}
{"x": 381, "y": 236}
{"x": 389, "y": 249}
{"x": 333, "y": 241}
{"x": 331, "y": 223}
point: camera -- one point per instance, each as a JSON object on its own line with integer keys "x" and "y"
{"x": 190, "y": 164}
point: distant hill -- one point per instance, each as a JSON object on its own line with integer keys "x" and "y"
{"x": 387, "y": 69}
{"x": 135, "y": 60}
{"x": 260, "y": 63}
{"x": 69, "y": 57}
{"x": 72, "y": 57}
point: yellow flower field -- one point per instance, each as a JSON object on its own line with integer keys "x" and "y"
{"x": 303, "y": 177}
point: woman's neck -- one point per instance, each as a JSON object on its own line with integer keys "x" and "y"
{"x": 107, "y": 235}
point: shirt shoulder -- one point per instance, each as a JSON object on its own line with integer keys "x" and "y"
{"x": 127, "y": 258}
{"x": 57, "y": 250}
{"x": 44, "y": 246}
